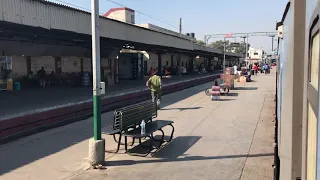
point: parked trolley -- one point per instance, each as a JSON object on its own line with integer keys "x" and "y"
{"x": 216, "y": 91}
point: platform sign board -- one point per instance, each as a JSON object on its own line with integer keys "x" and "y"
{"x": 234, "y": 44}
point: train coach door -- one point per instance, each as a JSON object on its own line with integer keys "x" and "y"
{"x": 313, "y": 98}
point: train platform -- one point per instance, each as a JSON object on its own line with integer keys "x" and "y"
{"x": 29, "y": 110}
{"x": 228, "y": 139}
{"x": 33, "y": 100}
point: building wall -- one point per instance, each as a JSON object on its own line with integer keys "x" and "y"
{"x": 87, "y": 65}
{"x": 166, "y": 58}
{"x": 163, "y": 30}
{"x": 48, "y": 62}
{"x": 70, "y": 64}
{"x": 119, "y": 15}
{"x": 19, "y": 66}
{"x": 255, "y": 53}
{"x": 185, "y": 60}
{"x": 152, "y": 61}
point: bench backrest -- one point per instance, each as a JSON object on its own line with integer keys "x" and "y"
{"x": 131, "y": 116}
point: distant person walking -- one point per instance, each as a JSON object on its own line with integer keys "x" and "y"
{"x": 154, "y": 83}
{"x": 255, "y": 68}
{"x": 42, "y": 77}
{"x": 266, "y": 69}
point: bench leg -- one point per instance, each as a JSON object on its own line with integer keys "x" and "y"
{"x": 119, "y": 143}
{"x": 117, "y": 140}
{"x": 126, "y": 143}
{"x": 143, "y": 155}
{"x": 162, "y": 139}
{"x": 159, "y": 140}
{"x": 171, "y": 133}
{"x": 133, "y": 141}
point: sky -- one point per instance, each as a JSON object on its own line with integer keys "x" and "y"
{"x": 202, "y": 17}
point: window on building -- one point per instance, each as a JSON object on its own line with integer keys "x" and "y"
{"x": 167, "y": 63}
{"x": 255, "y": 53}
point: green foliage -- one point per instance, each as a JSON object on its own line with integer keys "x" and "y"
{"x": 229, "y": 48}
{"x": 200, "y": 42}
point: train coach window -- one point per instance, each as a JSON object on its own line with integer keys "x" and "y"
{"x": 313, "y": 98}
{"x": 312, "y": 143}
{"x": 314, "y": 61}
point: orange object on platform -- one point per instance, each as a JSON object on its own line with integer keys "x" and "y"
{"x": 243, "y": 79}
{"x": 228, "y": 79}
{"x": 9, "y": 85}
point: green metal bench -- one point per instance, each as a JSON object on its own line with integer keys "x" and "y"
{"x": 127, "y": 123}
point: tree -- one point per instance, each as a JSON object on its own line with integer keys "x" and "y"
{"x": 220, "y": 45}
{"x": 229, "y": 48}
{"x": 200, "y": 42}
{"x": 241, "y": 48}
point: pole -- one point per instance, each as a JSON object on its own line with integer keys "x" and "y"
{"x": 224, "y": 57}
{"x": 180, "y": 27}
{"x": 96, "y": 145}
{"x": 272, "y": 44}
{"x": 179, "y": 56}
{"x": 244, "y": 42}
{"x": 96, "y": 69}
{"x": 247, "y": 63}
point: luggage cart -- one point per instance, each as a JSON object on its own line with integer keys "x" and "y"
{"x": 216, "y": 91}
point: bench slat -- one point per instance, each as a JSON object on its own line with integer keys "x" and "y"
{"x": 131, "y": 117}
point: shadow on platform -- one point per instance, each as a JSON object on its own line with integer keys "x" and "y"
{"x": 184, "y": 158}
{"x": 182, "y": 109}
{"x": 233, "y": 94}
{"x": 246, "y": 88}
{"x": 14, "y": 155}
{"x": 221, "y": 99}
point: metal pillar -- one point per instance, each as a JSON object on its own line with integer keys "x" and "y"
{"x": 224, "y": 56}
{"x": 247, "y": 63}
{"x": 142, "y": 67}
{"x": 179, "y": 64}
{"x": 245, "y": 47}
{"x": 96, "y": 69}
{"x": 159, "y": 65}
{"x": 96, "y": 145}
{"x": 180, "y": 27}
{"x": 272, "y": 44}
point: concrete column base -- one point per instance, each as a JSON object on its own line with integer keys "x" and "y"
{"x": 96, "y": 152}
